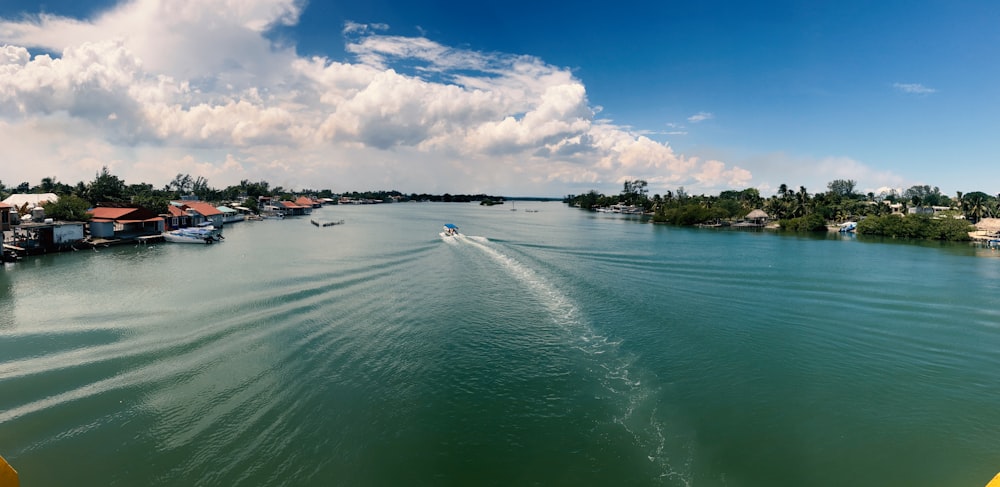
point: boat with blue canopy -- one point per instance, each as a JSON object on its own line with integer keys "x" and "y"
{"x": 450, "y": 230}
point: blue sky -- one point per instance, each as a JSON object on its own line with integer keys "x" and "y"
{"x": 517, "y": 98}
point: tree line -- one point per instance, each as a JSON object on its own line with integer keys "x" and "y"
{"x": 804, "y": 211}
{"x": 107, "y": 189}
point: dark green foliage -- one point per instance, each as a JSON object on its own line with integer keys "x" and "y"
{"x": 916, "y": 227}
{"x": 251, "y": 203}
{"x": 106, "y": 187}
{"x": 69, "y": 208}
{"x": 157, "y": 203}
{"x": 691, "y": 214}
{"x": 810, "y": 223}
{"x": 843, "y": 188}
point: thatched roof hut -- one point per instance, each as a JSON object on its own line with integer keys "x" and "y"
{"x": 758, "y": 216}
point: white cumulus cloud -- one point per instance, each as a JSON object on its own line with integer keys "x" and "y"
{"x": 152, "y": 88}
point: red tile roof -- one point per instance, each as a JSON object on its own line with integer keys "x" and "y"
{"x": 203, "y": 208}
{"x": 175, "y": 211}
{"x": 103, "y": 213}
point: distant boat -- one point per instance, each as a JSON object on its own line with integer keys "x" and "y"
{"x": 622, "y": 209}
{"x": 450, "y": 230}
{"x": 848, "y": 227}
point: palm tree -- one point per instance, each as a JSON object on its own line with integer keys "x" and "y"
{"x": 775, "y": 207}
{"x": 974, "y": 206}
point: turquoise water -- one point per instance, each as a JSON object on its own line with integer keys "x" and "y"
{"x": 552, "y": 348}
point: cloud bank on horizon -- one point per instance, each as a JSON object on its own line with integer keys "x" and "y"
{"x": 152, "y": 88}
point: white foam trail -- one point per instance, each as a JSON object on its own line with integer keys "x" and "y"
{"x": 618, "y": 379}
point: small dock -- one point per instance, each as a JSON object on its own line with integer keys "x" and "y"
{"x": 148, "y": 239}
{"x": 12, "y": 253}
{"x": 326, "y": 223}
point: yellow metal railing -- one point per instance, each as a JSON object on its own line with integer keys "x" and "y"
{"x": 8, "y": 476}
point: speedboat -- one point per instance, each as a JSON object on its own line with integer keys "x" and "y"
{"x": 450, "y": 230}
{"x": 202, "y": 234}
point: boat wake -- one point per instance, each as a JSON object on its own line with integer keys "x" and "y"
{"x": 618, "y": 376}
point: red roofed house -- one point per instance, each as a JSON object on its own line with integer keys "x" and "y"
{"x": 200, "y": 212}
{"x": 308, "y": 202}
{"x": 176, "y": 218}
{"x": 124, "y": 222}
{"x": 295, "y": 209}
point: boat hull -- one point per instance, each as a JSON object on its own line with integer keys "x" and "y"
{"x": 195, "y": 239}
{"x": 197, "y": 235}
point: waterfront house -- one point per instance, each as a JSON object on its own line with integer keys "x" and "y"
{"x": 176, "y": 218}
{"x": 291, "y": 208}
{"x": 230, "y": 215}
{"x": 45, "y": 236}
{"x": 308, "y": 202}
{"x": 269, "y": 207}
{"x": 201, "y": 212}
{"x": 124, "y": 223}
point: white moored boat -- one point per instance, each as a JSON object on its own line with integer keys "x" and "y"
{"x": 202, "y": 234}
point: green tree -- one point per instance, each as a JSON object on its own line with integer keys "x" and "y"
{"x": 974, "y": 205}
{"x": 106, "y": 187}
{"x": 634, "y": 193}
{"x": 843, "y": 188}
{"x": 916, "y": 227}
{"x": 68, "y": 208}
{"x": 813, "y": 222}
{"x": 251, "y": 203}
{"x": 181, "y": 184}
{"x": 48, "y": 185}
{"x": 155, "y": 202}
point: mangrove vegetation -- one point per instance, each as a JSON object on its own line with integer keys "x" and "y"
{"x": 921, "y": 211}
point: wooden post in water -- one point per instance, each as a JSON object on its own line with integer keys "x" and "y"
{"x": 8, "y": 476}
